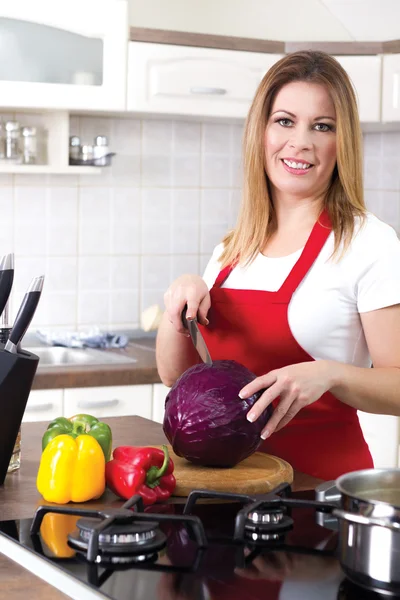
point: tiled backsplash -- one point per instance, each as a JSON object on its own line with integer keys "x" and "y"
{"x": 382, "y": 176}
{"x": 110, "y": 244}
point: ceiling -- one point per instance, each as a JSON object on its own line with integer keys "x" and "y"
{"x": 285, "y": 20}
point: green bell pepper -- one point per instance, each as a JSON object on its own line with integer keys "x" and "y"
{"x": 78, "y": 425}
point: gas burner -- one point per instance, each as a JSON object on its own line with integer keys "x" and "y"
{"x": 119, "y": 531}
{"x": 134, "y": 538}
{"x": 266, "y": 524}
{"x": 263, "y": 521}
{"x": 266, "y": 516}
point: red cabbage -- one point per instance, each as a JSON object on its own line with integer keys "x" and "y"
{"x": 205, "y": 420}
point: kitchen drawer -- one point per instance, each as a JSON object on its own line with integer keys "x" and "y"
{"x": 193, "y": 81}
{"x": 44, "y": 405}
{"x": 381, "y": 433}
{"x": 365, "y": 73}
{"x": 160, "y": 392}
{"x": 112, "y": 401}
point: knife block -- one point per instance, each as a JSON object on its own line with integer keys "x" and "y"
{"x": 16, "y": 376}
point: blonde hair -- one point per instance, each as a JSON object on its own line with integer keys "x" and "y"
{"x": 343, "y": 200}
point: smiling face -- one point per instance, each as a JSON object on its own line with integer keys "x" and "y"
{"x": 300, "y": 141}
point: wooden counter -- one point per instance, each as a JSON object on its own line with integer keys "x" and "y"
{"x": 19, "y": 497}
{"x": 19, "y": 584}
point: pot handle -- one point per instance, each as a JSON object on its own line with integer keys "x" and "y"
{"x": 362, "y": 520}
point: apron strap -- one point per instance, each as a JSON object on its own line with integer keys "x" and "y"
{"x": 317, "y": 238}
{"x": 311, "y": 250}
{"x": 222, "y": 275}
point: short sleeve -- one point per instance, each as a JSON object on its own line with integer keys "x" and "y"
{"x": 213, "y": 267}
{"x": 378, "y": 285}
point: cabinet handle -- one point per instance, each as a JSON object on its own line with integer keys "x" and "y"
{"x": 39, "y": 407}
{"x": 97, "y": 403}
{"x": 211, "y": 91}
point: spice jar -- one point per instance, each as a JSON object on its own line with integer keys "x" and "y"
{"x": 100, "y": 150}
{"x": 87, "y": 153}
{"x": 12, "y": 152}
{"x": 29, "y": 145}
{"x": 74, "y": 148}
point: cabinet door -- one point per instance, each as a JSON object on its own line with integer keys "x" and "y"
{"x": 365, "y": 73}
{"x": 112, "y": 401}
{"x": 391, "y": 88}
{"x": 193, "y": 81}
{"x": 63, "y": 54}
{"x": 43, "y": 405}
{"x": 160, "y": 392}
{"x": 381, "y": 433}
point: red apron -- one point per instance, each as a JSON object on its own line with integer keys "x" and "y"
{"x": 251, "y": 326}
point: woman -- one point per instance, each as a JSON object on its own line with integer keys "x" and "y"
{"x": 306, "y": 290}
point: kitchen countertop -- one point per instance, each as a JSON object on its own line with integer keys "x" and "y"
{"x": 143, "y": 371}
{"x": 18, "y": 584}
{"x": 19, "y": 497}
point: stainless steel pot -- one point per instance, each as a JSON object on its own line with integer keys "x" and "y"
{"x": 370, "y": 525}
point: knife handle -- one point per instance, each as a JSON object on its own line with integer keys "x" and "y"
{"x": 6, "y": 281}
{"x": 184, "y": 319}
{"x": 25, "y": 314}
{"x": 24, "y": 317}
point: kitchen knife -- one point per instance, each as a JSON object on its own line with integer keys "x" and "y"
{"x": 197, "y": 338}
{"x": 6, "y": 279}
{"x": 25, "y": 314}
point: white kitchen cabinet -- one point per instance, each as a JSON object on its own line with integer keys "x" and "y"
{"x": 63, "y": 54}
{"x": 109, "y": 401}
{"x": 365, "y": 73}
{"x": 160, "y": 392}
{"x": 187, "y": 80}
{"x": 381, "y": 433}
{"x": 391, "y": 88}
{"x": 43, "y": 405}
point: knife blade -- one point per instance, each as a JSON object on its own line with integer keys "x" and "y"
{"x": 197, "y": 338}
{"x": 6, "y": 280}
{"x": 25, "y": 314}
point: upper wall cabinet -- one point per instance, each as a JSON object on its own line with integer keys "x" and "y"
{"x": 68, "y": 55}
{"x": 365, "y": 73}
{"x": 193, "y": 81}
{"x": 391, "y": 88}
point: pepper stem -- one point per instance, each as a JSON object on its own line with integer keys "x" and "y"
{"x": 78, "y": 427}
{"x": 154, "y": 474}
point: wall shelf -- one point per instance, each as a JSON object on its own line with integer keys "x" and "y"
{"x": 55, "y": 125}
{"x": 49, "y": 169}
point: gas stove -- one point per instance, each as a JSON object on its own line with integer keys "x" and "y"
{"x": 215, "y": 546}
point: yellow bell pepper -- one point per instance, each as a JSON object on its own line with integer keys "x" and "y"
{"x": 71, "y": 470}
{"x": 54, "y": 531}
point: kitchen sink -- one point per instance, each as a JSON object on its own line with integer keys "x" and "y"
{"x": 57, "y": 356}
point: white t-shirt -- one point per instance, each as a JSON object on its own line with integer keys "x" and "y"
{"x": 324, "y": 313}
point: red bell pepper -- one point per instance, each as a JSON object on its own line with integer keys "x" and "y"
{"x": 144, "y": 471}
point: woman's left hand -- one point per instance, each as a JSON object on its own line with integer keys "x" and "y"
{"x": 297, "y": 386}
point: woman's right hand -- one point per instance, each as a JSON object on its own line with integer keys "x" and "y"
{"x": 193, "y": 291}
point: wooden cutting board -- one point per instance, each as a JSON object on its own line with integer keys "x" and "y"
{"x": 257, "y": 474}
